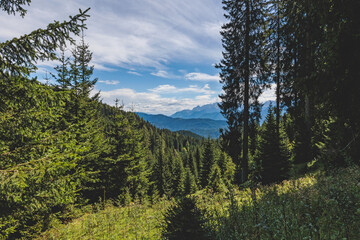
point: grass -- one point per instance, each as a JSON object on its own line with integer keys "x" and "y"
{"x": 312, "y": 207}
{"x": 135, "y": 221}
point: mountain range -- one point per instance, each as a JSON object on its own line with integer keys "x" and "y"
{"x": 202, "y": 126}
{"x": 203, "y": 120}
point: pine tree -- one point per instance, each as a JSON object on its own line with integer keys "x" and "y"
{"x": 81, "y": 71}
{"x": 242, "y": 67}
{"x": 215, "y": 181}
{"x": 227, "y": 168}
{"x": 63, "y": 75}
{"x": 272, "y": 155}
{"x": 178, "y": 175}
{"x": 276, "y": 39}
{"x": 190, "y": 185}
{"x": 162, "y": 170}
{"x": 208, "y": 160}
{"x": 184, "y": 221}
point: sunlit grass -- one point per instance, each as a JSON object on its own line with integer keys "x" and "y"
{"x": 135, "y": 221}
{"x": 312, "y": 207}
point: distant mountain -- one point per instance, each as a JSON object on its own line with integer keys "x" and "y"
{"x": 212, "y": 111}
{"x": 200, "y": 126}
{"x": 202, "y": 120}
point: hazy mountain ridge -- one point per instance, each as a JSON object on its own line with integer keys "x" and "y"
{"x": 212, "y": 111}
{"x": 203, "y": 120}
{"x": 201, "y": 126}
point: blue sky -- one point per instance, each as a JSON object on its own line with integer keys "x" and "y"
{"x": 157, "y": 56}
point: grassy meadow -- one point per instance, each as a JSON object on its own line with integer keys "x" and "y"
{"x": 316, "y": 206}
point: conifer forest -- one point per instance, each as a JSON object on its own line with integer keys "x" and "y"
{"x": 74, "y": 167}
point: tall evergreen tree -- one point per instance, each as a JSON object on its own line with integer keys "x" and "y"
{"x": 215, "y": 181}
{"x": 242, "y": 67}
{"x": 276, "y": 49}
{"x": 63, "y": 76}
{"x": 190, "y": 185}
{"x": 81, "y": 70}
{"x": 272, "y": 156}
{"x": 208, "y": 160}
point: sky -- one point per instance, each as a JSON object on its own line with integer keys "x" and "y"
{"x": 156, "y": 56}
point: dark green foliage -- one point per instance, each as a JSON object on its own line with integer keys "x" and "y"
{"x": 60, "y": 148}
{"x": 208, "y": 160}
{"x": 14, "y": 6}
{"x": 272, "y": 156}
{"x": 184, "y": 221}
{"x": 19, "y": 55}
{"x": 215, "y": 180}
{"x": 40, "y": 176}
{"x": 62, "y": 77}
{"x": 242, "y": 71}
{"x": 227, "y": 168}
{"x": 190, "y": 185}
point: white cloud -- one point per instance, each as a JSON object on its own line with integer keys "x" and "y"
{"x": 161, "y": 73}
{"x": 109, "y": 82}
{"x": 151, "y": 102}
{"x": 202, "y": 77}
{"x": 132, "y": 33}
{"x": 134, "y": 73}
{"x": 167, "y": 89}
{"x": 268, "y": 94}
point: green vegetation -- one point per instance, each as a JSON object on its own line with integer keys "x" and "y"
{"x": 312, "y": 207}
{"x": 73, "y": 167}
{"x": 135, "y": 221}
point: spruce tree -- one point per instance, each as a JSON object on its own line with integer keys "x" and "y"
{"x": 184, "y": 221}
{"x": 190, "y": 185}
{"x": 208, "y": 160}
{"x": 272, "y": 156}
{"x": 81, "y": 70}
{"x": 242, "y": 69}
{"x": 63, "y": 76}
{"x": 227, "y": 168}
{"x": 215, "y": 181}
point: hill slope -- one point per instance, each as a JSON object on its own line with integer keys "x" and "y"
{"x": 311, "y": 207}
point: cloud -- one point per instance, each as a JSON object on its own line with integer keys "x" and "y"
{"x": 161, "y": 73}
{"x": 132, "y": 33}
{"x": 152, "y": 102}
{"x": 268, "y": 94}
{"x": 109, "y": 82}
{"x": 134, "y": 73}
{"x": 167, "y": 89}
{"x": 202, "y": 77}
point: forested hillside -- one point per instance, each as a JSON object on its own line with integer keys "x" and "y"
{"x": 72, "y": 166}
{"x": 60, "y": 151}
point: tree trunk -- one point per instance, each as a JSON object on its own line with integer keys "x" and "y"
{"x": 245, "y": 160}
{"x": 278, "y": 70}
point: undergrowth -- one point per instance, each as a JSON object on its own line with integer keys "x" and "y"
{"x": 312, "y": 207}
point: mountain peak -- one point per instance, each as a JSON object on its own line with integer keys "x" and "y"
{"x": 210, "y": 111}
